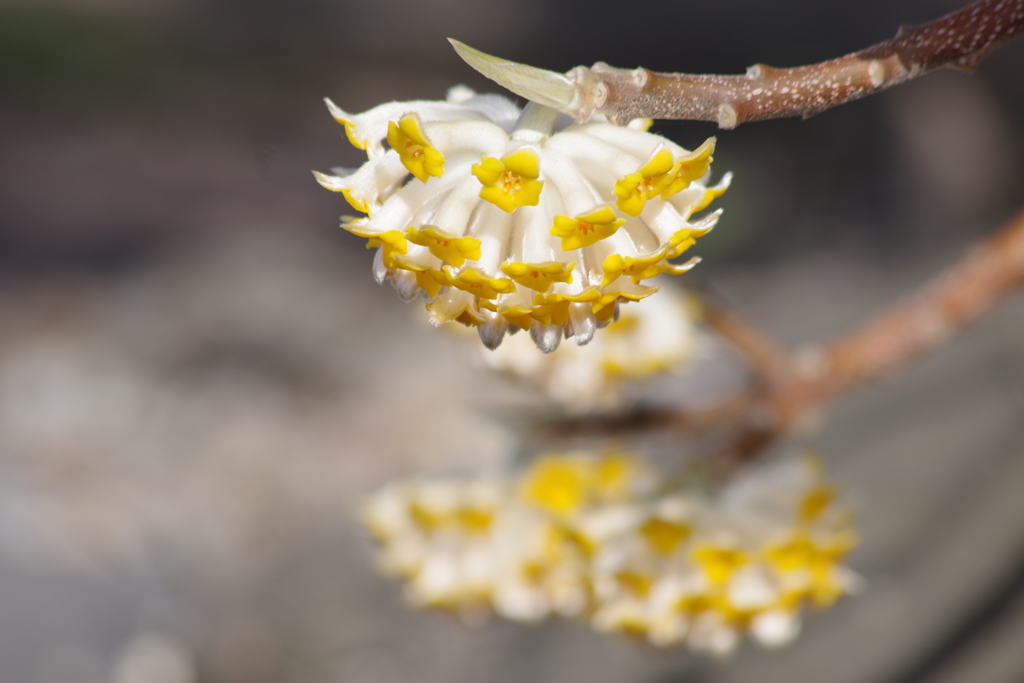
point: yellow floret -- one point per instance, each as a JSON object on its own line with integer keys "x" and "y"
{"x": 539, "y": 276}
{"x": 417, "y": 154}
{"x": 586, "y": 229}
{"x": 473, "y": 281}
{"x": 690, "y": 168}
{"x": 647, "y": 182}
{"x": 512, "y": 181}
{"x": 445, "y": 246}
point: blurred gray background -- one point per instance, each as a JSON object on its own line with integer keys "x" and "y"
{"x": 199, "y": 380}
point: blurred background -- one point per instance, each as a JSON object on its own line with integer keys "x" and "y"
{"x": 199, "y": 381}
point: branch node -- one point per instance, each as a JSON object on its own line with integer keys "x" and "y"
{"x": 727, "y": 116}
{"x": 876, "y": 72}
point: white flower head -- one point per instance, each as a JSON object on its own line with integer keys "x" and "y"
{"x": 507, "y": 225}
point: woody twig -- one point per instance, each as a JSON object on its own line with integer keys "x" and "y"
{"x": 960, "y": 39}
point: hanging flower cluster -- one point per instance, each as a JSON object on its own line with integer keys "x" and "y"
{"x": 506, "y": 225}
{"x": 652, "y": 337}
{"x": 593, "y": 538}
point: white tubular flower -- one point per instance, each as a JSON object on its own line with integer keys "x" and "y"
{"x": 652, "y": 337}
{"x": 507, "y": 225}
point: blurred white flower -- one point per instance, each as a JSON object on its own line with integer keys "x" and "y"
{"x": 474, "y": 543}
{"x": 655, "y": 336}
{"x": 507, "y": 224}
{"x": 594, "y": 538}
{"x": 704, "y": 570}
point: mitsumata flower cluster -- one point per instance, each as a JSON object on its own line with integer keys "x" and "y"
{"x": 594, "y": 538}
{"x": 509, "y": 222}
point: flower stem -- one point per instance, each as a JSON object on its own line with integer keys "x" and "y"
{"x": 536, "y": 122}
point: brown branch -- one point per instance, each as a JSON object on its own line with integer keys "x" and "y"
{"x": 901, "y": 333}
{"x": 959, "y": 39}
{"x": 958, "y": 297}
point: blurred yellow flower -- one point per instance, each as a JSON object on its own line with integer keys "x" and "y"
{"x": 595, "y": 537}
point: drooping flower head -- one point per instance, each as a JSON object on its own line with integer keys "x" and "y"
{"x": 507, "y": 225}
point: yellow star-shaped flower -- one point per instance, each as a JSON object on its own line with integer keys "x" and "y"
{"x": 647, "y": 182}
{"x": 816, "y": 560}
{"x": 794, "y": 554}
{"x": 719, "y": 562}
{"x": 691, "y": 168}
{"x": 664, "y": 535}
{"x": 520, "y": 316}
{"x": 392, "y": 242}
{"x": 683, "y": 240}
{"x": 559, "y": 485}
{"x": 553, "y": 309}
{"x": 417, "y": 154}
{"x": 550, "y": 310}
{"x": 430, "y": 280}
{"x": 512, "y": 181}
{"x": 586, "y": 229}
{"x": 473, "y": 281}
{"x": 639, "y": 268}
{"x": 445, "y": 246}
{"x": 604, "y": 306}
{"x": 538, "y": 276}
{"x": 710, "y": 195}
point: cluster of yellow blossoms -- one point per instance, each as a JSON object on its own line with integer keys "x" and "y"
{"x": 595, "y": 538}
{"x": 508, "y": 224}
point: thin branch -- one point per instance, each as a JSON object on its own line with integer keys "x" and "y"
{"x": 899, "y": 334}
{"x": 958, "y": 297}
{"x": 960, "y": 39}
